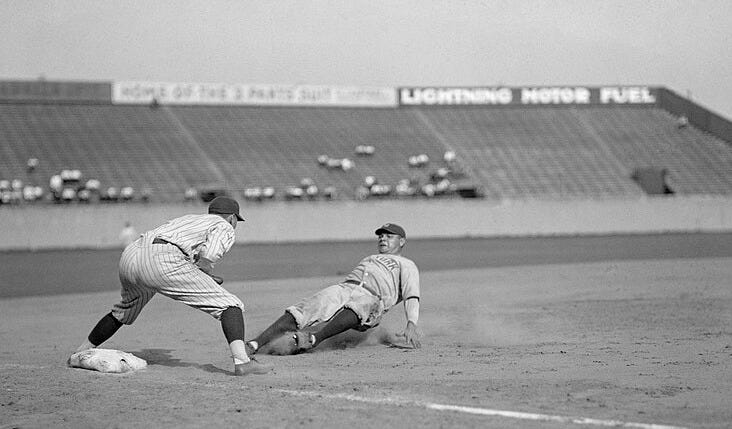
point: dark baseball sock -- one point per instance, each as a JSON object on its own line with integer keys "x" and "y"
{"x": 285, "y": 323}
{"x": 105, "y": 328}
{"x": 345, "y": 319}
{"x": 232, "y": 322}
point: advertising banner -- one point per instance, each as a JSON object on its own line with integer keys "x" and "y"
{"x": 52, "y": 92}
{"x": 251, "y": 94}
{"x": 530, "y": 95}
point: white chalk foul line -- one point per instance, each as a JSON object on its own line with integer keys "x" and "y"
{"x": 479, "y": 411}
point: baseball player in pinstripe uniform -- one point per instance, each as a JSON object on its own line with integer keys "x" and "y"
{"x": 376, "y": 284}
{"x": 177, "y": 260}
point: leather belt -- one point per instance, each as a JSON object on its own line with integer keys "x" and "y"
{"x": 158, "y": 240}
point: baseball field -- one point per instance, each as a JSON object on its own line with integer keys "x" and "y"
{"x": 631, "y": 331}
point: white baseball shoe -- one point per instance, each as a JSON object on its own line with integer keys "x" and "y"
{"x": 304, "y": 341}
{"x": 252, "y": 367}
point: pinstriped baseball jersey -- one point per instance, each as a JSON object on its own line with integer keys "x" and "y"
{"x": 393, "y": 278}
{"x": 147, "y": 268}
{"x": 206, "y": 235}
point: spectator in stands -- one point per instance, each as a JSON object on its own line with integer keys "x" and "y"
{"x": 443, "y": 187}
{"x": 90, "y": 193}
{"x": 92, "y": 185}
{"x": 344, "y": 164}
{"x": 128, "y": 234}
{"x": 31, "y": 165}
{"x": 293, "y": 193}
{"x": 305, "y": 182}
{"x": 84, "y": 195}
{"x": 253, "y": 193}
{"x": 312, "y": 191}
{"x": 369, "y": 181}
{"x": 10, "y": 193}
{"x": 365, "y": 150}
{"x": 347, "y": 164}
{"x": 268, "y": 192}
{"x": 16, "y": 191}
{"x": 56, "y": 185}
{"x": 111, "y": 194}
{"x": 191, "y": 194}
{"x": 379, "y": 190}
{"x": 418, "y": 161}
{"x": 440, "y": 174}
{"x": 334, "y": 163}
{"x": 127, "y": 193}
{"x": 29, "y": 193}
{"x": 330, "y": 192}
{"x": 362, "y": 192}
{"x": 145, "y": 195}
{"x": 682, "y": 122}
{"x": 404, "y": 188}
{"x": 428, "y": 190}
{"x": 68, "y": 195}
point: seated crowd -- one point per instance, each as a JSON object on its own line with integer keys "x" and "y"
{"x": 70, "y": 186}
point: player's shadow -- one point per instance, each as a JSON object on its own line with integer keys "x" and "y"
{"x": 163, "y": 357}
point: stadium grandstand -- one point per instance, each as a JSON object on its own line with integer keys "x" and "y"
{"x": 71, "y": 142}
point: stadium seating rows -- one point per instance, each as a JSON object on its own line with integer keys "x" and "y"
{"x": 508, "y": 152}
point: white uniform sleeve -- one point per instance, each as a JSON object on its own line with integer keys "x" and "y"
{"x": 411, "y": 310}
{"x": 409, "y": 280}
{"x": 220, "y": 239}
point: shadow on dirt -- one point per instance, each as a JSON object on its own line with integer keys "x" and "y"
{"x": 163, "y": 357}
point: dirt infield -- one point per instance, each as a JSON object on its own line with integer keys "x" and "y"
{"x": 49, "y": 272}
{"x": 644, "y": 342}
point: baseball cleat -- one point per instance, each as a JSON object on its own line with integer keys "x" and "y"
{"x": 252, "y": 367}
{"x": 303, "y": 341}
{"x": 250, "y": 349}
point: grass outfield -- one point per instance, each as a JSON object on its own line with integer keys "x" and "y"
{"x": 637, "y": 343}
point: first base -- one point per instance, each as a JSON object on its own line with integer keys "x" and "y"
{"x": 106, "y": 360}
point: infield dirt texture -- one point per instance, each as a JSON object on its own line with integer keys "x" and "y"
{"x": 634, "y": 339}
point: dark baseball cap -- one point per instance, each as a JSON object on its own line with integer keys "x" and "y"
{"x": 391, "y": 228}
{"x": 224, "y": 205}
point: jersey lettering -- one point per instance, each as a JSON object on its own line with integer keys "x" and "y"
{"x": 389, "y": 263}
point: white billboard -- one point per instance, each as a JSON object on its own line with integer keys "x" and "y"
{"x": 129, "y": 92}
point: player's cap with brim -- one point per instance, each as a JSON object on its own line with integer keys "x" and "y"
{"x": 224, "y": 205}
{"x": 391, "y": 228}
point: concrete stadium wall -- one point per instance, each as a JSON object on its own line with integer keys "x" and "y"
{"x": 78, "y": 226}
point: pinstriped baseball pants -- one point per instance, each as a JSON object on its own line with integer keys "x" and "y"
{"x": 146, "y": 269}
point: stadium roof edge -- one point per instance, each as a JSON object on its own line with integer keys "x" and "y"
{"x": 22, "y": 91}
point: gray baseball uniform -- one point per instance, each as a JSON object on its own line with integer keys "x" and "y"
{"x": 373, "y": 287}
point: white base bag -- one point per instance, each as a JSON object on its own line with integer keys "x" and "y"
{"x": 107, "y": 360}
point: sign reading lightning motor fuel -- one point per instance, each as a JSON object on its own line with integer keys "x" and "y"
{"x": 531, "y": 95}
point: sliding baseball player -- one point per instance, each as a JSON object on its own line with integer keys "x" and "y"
{"x": 375, "y": 285}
